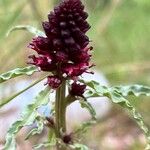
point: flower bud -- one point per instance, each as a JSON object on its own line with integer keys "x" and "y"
{"x": 77, "y": 89}
{"x": 53, "y": 81}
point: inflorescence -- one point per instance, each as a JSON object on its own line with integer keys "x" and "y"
{"x": 65, "y": 51}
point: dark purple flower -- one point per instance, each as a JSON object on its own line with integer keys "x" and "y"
{"x": 77, "y": 89}
{"x": 65, "y": 50}
{"x": 53, "y": 81}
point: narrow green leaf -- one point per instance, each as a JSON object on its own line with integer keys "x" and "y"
{"x": 28, "y": 28}
{"x": 78, "y": 146}
{"x": 17, "y": 72}
{"x": 11, "y": 19}
{"x": 89, "y": 107}
{"x": 9, "y": 99}
{"x": 27, "y": 118}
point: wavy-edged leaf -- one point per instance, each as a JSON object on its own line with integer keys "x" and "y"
{"x": 17, "y": 72}
{"x": 28, "y": 28}
{"x": 85, "y": 104}
{"x": 118, "y": 97}
{"x": 50, "y": 143}
{"x": 27, "y": 118}
{"x": 9, "y": 99}
{"x": 136, "y": 90}
{"x": 94, "y": 89}
{"x": 78, "y": 146}
{"x": 45, "y": 145}
{"x": 40, "y": 126}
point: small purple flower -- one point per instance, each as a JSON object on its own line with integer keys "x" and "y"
{"x": 61, "y": 56}
{"x": 81, "y": 56}
{"x": 40, "y": 44}
{"x": 43, "y": 62}
{"x": 73, "y": 70}
{"x": 77, "y": 89}
{"x": 53, "y": 81}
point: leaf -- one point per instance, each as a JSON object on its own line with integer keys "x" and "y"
{"x": 91, "y": 83}
{"x": 119, "y": 99}
{"x": 84, "y": 127}
{"x": 45, "y": 144}
{"x": 117, "y": 96}
{"x": 11, "y": 19}
{"x": 9, "y": 99}
{"x": 136, "y": 90}
{"x": 27, "y": 118}
{"x": 28, "y": 28}
{"x": 89, "y": 107}
{"x": 78, "y": 146}
{"x": 95, "y": 89}
{"x": 17, "y": 72}
{"x": 40, "y": 126}
{"x": 51, "y": 141}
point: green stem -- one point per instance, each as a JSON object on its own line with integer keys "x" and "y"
{"x": 60, "y": 112}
